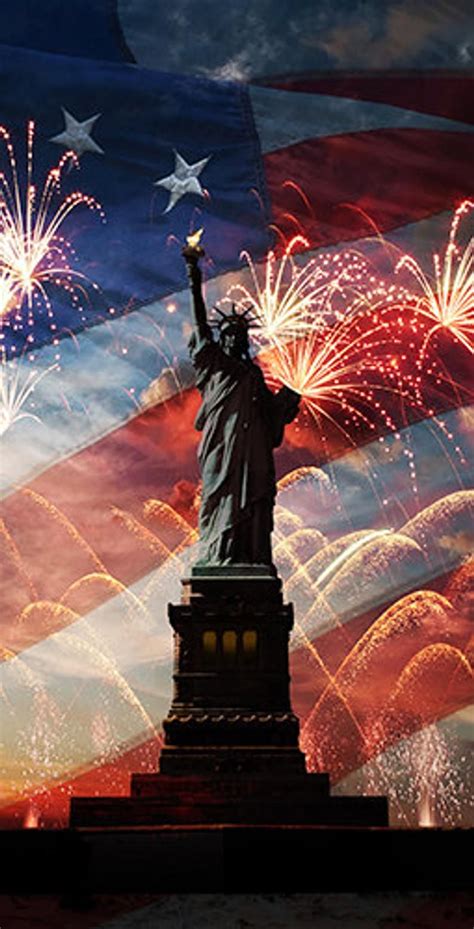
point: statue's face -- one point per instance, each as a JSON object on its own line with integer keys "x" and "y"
{"x": 234, "y": 340}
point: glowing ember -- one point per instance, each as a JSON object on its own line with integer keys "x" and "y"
{"x": 32, "y": 818}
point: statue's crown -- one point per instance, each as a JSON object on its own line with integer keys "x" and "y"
{"x": 235, "y": 318}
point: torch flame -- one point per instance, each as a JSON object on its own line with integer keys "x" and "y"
{"x": 194, "y": 239}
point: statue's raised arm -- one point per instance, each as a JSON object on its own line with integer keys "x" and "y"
{"x": 192, "y": 254}
{"x": 241, "y": 421}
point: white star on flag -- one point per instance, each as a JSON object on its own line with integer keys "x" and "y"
{"x": 183, "y": 180}
{"x": 77, "y": 135}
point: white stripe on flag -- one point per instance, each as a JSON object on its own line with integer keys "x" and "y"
{"x": 285, "y": 117}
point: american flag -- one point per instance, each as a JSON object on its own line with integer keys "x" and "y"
{"x": 353, "y": 133}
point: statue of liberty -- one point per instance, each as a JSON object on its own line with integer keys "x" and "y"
{"x": 241, "y": 421}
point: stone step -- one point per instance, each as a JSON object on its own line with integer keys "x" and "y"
{"x": 216, "y": 789}
{"x": 304, "y": 808}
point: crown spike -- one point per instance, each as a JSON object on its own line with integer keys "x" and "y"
{"x": 236, "y": 317}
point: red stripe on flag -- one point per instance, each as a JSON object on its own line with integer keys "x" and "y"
{"x": 356, "y": 183}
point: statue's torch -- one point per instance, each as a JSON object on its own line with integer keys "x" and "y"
{"x": 192, "y": 251}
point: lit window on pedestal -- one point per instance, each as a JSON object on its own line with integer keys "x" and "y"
{"x": 209, "y": 645}
{"x": 229, "y": 646}
{"x": 249, "y": 646}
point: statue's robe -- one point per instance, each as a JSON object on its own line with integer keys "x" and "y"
{"x": 241, "y": 421}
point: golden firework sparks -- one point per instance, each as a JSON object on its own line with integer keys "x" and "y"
{"x": 283, "y": 296}
{"x": 337, "y": 369}
{"x": 447, "y": 299}
{"x": 33, "y": 253}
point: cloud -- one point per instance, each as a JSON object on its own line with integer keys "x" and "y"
{"x": 465, "y": 421}
{"x": 409, "y": 28}
{"x": 460, "y": 543}
{"x": 170, "y": 382}
{"x": 238, "y": 68}
{"x": 184, "y": 497}
{"x": 465, "y": 53}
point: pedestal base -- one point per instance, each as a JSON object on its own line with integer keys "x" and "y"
{"x": 215, "y": 760}
{"x": 231, "y": 711}
{"x": 231, "y": 752}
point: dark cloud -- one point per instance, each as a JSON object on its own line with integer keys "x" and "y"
{"x": 247, "y": 40}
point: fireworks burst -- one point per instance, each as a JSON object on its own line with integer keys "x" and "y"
{"x": 16, "y": 391}
{"x": 282, "y": 298}
{"x": 447, "y": 300}
{"x": 33, "y": 254}
{"x": 337, "y": 371}
{"x": 423, "y": 776}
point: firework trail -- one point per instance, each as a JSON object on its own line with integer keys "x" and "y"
{"x": 10, "y": 293}
{"x": 16, "y": 391}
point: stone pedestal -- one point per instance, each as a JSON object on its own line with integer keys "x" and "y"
{"x": 230, "y": 751}
{"x": 231, "y": 708}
